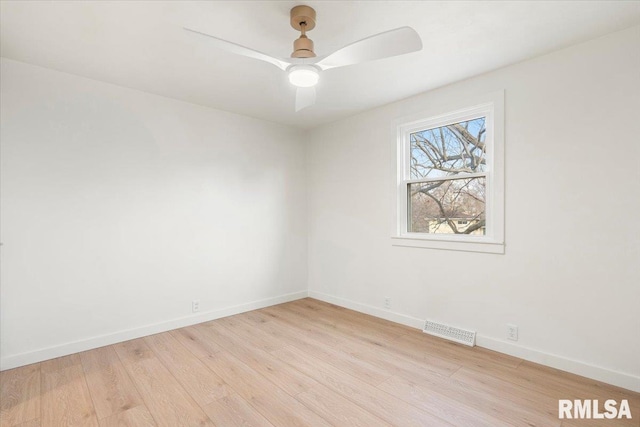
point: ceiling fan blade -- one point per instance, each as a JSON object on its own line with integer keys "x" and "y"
{"x": 305, "y": 97}
{"x": 242, "y": 50}
{"x": 384, "y": 45}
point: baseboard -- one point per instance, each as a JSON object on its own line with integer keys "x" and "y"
{"x": 129, "y": 334}
{"x": 619, "y": 379}
{"x": 369, "y": 309}
{"x": 609, "y": 376}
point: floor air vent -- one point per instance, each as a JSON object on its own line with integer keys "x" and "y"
{"x": 449, "y": 332}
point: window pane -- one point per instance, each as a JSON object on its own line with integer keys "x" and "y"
{"x": 449, "y": 150}
{"x": 455, "y": 206}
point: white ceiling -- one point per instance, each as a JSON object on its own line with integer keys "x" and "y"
{"x": 141, "y": 45}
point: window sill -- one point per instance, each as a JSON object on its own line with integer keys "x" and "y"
{"x": 449, "y": 245}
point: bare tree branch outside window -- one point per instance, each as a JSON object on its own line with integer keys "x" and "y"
{"x": 446, "y": 200}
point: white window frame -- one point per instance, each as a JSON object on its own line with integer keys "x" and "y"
{"x": 490, "y": 106}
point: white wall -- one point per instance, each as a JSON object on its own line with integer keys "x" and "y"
{"x": 119, "y": 208}
{"x": 569, "y": 278}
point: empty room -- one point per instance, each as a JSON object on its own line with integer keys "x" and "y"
{"x": 322, "y": 213}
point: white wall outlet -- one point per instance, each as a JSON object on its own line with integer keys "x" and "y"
{"x": 387, "y": 303}
{"x": 512, "y": 332}
{"x": 195, "y": 305}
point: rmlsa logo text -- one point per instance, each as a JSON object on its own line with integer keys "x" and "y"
{"x": 590, "y": 409}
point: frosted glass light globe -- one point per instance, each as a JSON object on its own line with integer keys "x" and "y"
{"x": 303, "y": 75}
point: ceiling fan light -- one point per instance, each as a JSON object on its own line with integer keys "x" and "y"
{"x": 303, "y": 76}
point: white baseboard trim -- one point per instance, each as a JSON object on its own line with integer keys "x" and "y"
{"x": 369, "y": 309}
{"x": 609, "y": 376}
{"x": 129, "y": 334}
{"x": 620, "y": 379}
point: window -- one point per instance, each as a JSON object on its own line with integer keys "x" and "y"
{"x": 449, "y": 179}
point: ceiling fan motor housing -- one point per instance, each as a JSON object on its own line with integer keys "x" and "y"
{"x": 303, "y": 48}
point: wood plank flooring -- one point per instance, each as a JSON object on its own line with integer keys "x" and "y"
{"x": 304, "y": 363}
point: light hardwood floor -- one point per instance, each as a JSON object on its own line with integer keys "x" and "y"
{"x": 304, "y": 363}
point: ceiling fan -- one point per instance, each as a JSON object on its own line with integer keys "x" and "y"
{"x": 304, "y": 67}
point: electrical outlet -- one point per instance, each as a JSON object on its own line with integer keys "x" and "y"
{"x": 195, "y": 305}
{"x": 512, "y": 332}
{"x": 387, "y": 303}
